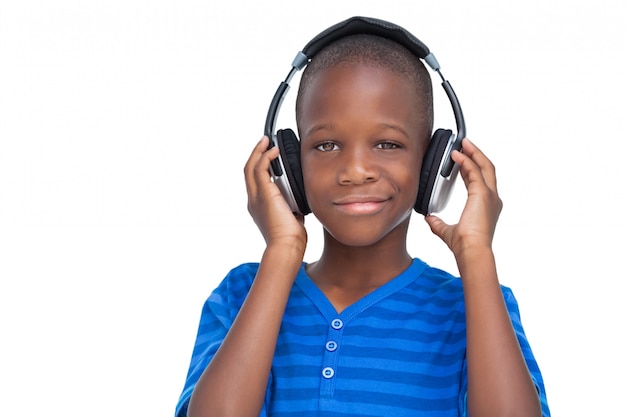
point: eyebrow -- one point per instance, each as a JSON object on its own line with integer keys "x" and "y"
{"x": 394, "y": 127}
{"x": 318, "y": 127}
{"x": 330, "y": 126}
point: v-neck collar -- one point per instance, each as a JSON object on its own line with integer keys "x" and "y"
{"x": 312, "y": 291}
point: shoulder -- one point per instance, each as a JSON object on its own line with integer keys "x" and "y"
{"x": 234, "y": 287}
{"x": 239, "y": 277}
{"x": 246, "y": 271}
{"x": 435, "y": 283}
{"x": 438, "y": 280}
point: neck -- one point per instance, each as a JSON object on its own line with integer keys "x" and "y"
{"x": 364, "y": 266}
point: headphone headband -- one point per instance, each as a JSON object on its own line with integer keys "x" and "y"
{"x": 366, "y": 25}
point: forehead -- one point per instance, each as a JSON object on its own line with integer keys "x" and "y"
{"x": 360, "y": 91}
{"x": 368, "y": 73}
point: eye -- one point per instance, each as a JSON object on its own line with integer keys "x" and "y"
{"x": 387, "y": 145}
{"x": 327, "y": 146}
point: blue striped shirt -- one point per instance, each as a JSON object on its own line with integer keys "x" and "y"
{"x": 399, "y": 351}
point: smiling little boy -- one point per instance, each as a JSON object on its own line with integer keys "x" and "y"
{"x": 367, "y": 329}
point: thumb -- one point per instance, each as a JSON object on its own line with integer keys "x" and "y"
{"x": 437, "y": 226}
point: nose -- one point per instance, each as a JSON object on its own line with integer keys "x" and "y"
{"x": 358, "y": 166}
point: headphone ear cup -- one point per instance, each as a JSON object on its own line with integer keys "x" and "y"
{"x": 289, "y": 146}
{"x": 430, "y": 169}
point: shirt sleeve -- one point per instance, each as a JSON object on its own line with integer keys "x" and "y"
{"x": 218, "y": 314}
{"x": 533, "y": 367}
{"x": 514, "y": 314}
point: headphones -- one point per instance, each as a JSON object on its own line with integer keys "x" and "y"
{"x": 438, "y": 171}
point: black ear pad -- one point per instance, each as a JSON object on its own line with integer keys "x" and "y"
{"x": 289, "y": 146}
{"x": 430, "y": 168}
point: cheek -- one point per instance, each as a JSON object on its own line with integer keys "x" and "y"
{"x": 409, "y": 180}
{"x": 410, "y": 187}
{"x": 316, "y": 180}
{"x": 308, "y": 176}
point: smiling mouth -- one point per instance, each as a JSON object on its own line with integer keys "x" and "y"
{"x": 361, "y": 205}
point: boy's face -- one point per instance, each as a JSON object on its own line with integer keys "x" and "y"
{"x": 363, "y": 140}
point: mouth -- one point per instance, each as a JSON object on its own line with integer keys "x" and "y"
{"x": 361, "y": 204}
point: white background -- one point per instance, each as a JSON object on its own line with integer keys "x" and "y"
{"x": 124, "y": 127}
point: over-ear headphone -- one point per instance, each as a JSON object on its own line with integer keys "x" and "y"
{"x": 438, "y": 171}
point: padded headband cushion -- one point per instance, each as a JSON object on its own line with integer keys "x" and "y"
{"x": 290, "y": 154}
{"x": 430, "y": 168}
{"x": 366, "y": 25}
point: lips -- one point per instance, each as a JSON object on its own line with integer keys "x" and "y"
{"x": 361, "y": 204}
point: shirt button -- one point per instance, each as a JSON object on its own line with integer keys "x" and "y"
{"x": 336, "y": 324}
{"x": 331, "y": 346}
{"x": 328, "y": 372}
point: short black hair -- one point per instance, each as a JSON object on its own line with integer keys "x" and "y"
{"x": 378, "y": 52}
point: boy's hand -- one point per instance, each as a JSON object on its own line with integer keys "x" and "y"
{"x": 477, "y": 224}
{"x": 268, "y": 208}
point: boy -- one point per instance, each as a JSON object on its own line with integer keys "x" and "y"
{"x": 367, "y": 329}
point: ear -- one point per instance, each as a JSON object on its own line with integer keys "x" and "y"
{"x": 289, "y": 146}
{"x": 430, "y": 169}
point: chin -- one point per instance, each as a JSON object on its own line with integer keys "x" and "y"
{"x": 364, "y": 234}
{"x": 356, "y": 241}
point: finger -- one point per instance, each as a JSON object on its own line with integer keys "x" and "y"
{"x": 487, "y": 168}
{"x": 478, "y": 173}
{"x": 250, "y": 168}
{"x": 262, "y": 168}
{"x": 470, "y": 172}
{"x": 255, "y": 155}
